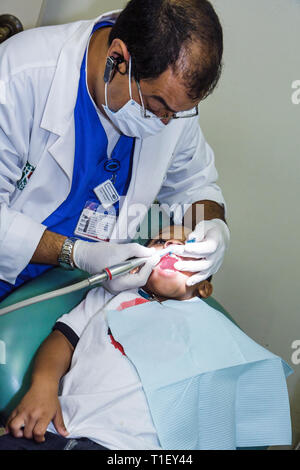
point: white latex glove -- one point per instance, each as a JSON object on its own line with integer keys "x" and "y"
{"x": 212, "y": 240}
{"x": 132, "y": 281}
{"x": 93, "y": 257}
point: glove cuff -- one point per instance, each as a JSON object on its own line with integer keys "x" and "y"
{"x": 77, "y": 253}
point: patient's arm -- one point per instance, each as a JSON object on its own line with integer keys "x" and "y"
{"x": 40, "y": 405}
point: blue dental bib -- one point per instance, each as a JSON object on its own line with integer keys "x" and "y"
{"x": 208, "y": 385}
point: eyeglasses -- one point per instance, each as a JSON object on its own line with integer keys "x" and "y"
{"x": 179, "y": 115}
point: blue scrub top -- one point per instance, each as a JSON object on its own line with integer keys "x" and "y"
{"x": 89, "y": 171}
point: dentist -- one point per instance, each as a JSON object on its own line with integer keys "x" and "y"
{"x": 96, "y": 117}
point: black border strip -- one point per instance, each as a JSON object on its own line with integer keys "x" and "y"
{"x": 67, "y": 332}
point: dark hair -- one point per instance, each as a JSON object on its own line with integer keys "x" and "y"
{"x": 164, "y": 33}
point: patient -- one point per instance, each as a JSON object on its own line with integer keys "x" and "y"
{"x": 165, "y": 281}
{"x": 100, "y": 402}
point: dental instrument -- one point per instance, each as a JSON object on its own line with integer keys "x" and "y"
{"x": 165, "y": 251}
{"x": 106, "y": 275}
{"x": 192, "y": 240}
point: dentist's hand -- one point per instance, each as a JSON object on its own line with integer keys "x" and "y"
{"x": 134, "y": 279}
{"x": 94, "y": 257}
{"x": 212, "y": 240}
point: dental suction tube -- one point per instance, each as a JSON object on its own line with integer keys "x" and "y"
{"x": 106, "y": 275}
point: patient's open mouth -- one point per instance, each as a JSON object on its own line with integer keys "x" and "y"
{"x": 167, "y": 262}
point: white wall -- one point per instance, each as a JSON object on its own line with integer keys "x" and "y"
{"x": 63, "y": 11}
{"x": 253, "y": 126}
{"x": 27, "y": 11}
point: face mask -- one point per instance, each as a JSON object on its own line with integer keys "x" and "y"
{"x": 129, "y": 119}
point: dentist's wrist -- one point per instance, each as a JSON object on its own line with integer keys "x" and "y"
{"x": 48, "y": 248}
{"x": 203, "y": 210}
{"x": 66, "y": 256}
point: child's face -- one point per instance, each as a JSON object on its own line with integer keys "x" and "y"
{"x": 165, "y": 281}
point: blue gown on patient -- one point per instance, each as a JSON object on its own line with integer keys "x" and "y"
{"x": 208, "y": 385}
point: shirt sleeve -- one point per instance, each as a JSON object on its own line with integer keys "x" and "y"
{"x": 192, "y": 175}
{"x": 19, "y": 234}
{"x": 73, "y": 324}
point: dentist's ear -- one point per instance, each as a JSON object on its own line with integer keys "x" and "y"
{"x": 118, "y": 50}
{"x": 205, "y": 289}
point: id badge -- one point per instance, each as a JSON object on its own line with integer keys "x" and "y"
{"x": 107, "y": 194}
{"x": 96, "y": 222}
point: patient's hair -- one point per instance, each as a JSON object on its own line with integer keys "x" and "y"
{"x": 163, "y": 33}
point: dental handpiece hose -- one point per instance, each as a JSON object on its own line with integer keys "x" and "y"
{"x": 106, "y": 275}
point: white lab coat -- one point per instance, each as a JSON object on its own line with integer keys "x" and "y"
{"x": 39, "y": 75}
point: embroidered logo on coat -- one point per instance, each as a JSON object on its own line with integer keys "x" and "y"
{"x": 26, "y": 175}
